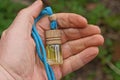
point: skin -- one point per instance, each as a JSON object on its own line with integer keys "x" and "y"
{"x": 18, "y": 57}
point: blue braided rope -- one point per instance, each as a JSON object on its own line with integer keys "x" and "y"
{"x": 39, "y": 44}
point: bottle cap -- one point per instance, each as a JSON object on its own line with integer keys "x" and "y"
{"x": 53, "y": 37}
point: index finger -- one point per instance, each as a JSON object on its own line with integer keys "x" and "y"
{"x": 64, "y": 20}
{"x": 71, "y": 20}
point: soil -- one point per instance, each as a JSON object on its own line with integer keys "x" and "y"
{"x": 113, "y": 5}
{"x": 92, "y": 71}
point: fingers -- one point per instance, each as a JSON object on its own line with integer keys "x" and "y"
{"x": 77, "y": 61}
{"x": 25, "y": 18}
{"x": 71, "y": 20}
{"x": 65, "y": 20}
{"x": 72, "y": 33}
{"x": 72, "y": 47}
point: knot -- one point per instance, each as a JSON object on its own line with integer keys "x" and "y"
{"x": 53, "y": 20}
{"x": 52, "y": 17}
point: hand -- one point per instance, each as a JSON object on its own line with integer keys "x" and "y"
{"x": 80, "y": 43}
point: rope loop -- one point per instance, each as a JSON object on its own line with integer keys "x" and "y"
{"x": 39, "y": 43}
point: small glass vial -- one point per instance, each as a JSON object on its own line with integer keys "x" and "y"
{"x": 53, "y": 47}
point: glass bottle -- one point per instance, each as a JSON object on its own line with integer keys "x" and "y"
{"x": 53, "y": 47}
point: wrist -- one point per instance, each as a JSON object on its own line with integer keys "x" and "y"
{"x": 4, "y": 75}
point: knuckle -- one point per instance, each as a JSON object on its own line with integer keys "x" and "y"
{"x": 71, "y": 48}
{"x": 23, "y": 11}
{"x": 85, "y": 44}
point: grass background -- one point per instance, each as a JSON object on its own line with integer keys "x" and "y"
{"x": 107, "y": 64}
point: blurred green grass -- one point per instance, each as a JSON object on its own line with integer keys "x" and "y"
{"x": 93, "y": 10}
{"x": 8, "y": 11}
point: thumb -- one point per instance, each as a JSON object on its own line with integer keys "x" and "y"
{"x": 25, "y": 18}
{"x": 34, "y": 9}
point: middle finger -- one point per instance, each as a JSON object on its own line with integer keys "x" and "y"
{"x": 73, "y": 34}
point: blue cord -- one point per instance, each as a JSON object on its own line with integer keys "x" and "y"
{"x": 39, "y": 44}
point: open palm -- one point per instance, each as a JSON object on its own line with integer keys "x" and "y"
{"x": 80, "y": 43}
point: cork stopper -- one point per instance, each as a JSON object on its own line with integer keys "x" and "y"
{"x": 53, "y": 37}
